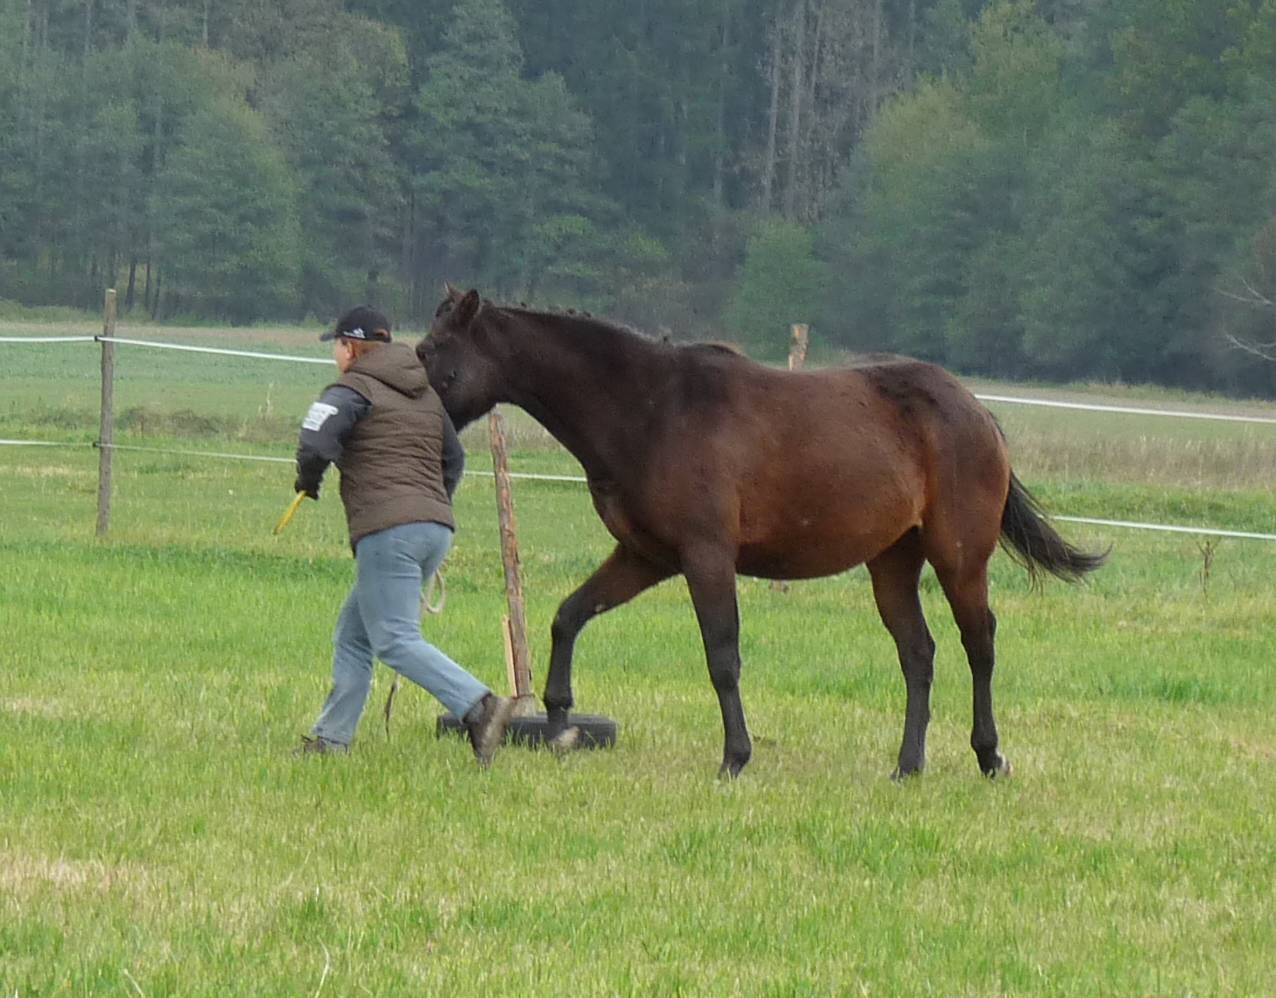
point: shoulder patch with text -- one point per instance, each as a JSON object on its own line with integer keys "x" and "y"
{"x": 318, "y": 415}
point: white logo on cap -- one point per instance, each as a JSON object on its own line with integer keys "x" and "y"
{"x": 357, "y": 333}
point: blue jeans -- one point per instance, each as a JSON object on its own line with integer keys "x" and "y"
{"x": 382, "y": 617}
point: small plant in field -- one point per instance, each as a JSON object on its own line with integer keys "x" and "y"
{"x": 1207, "y": 548}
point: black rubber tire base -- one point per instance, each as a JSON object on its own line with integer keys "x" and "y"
{"x": 596, "y": 731}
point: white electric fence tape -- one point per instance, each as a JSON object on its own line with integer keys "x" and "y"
{"x": 1008, "y": 399}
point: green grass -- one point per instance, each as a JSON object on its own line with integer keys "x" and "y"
{"x": 156, "y": 836}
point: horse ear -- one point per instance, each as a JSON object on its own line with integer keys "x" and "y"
{"x": 451, "y": 291}
{"x": 467, "y": 308}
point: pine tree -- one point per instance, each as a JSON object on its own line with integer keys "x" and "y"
{"x": 502, "y": 165}
{"x": 326, "y": 115}
{"x": 228, "y": 235}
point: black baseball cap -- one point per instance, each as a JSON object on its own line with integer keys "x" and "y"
{"x": 362, "y": 322}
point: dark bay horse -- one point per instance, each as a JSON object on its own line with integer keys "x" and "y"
{"x": 704, "y": 463}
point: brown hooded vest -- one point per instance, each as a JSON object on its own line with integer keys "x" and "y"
{"x": 391, "y": 468}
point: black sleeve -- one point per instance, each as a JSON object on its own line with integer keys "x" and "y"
{"x": 324, "y": 432}
{"x": 453, "y": 456}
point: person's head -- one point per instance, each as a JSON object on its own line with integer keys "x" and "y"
{"x": 359, "y": 331}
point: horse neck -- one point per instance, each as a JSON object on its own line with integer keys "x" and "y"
{"x": 587, "y": 384}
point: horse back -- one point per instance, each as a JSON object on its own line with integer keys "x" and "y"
{"x": 885, "y": 409}
{"x": 819, "y": 470}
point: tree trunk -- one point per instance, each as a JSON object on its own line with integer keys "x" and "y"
{"x": 37, "y": 100}
{"x": 912, "y": 39}
{"x": 813, "y": 71}
{"x": 157, "y": 97}
{"x": 157, "y": 141}
{"x": 83, "y": 241}
{"x": 794, "y": 158}
{"x": 809, "y": 137}
{"x": 132, "y": 283}
{"x": 88, "y": 28}
{"x": 773, "y": 117}
{"x": 407, "y": 270}
{"x": 724, "y": 71}
{"x": 23, "y": 109}
{"x": 875, "y": 81}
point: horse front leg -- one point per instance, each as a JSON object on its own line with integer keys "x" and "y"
{"x": 617, "y": 580}
{"x": 711, "y": 579}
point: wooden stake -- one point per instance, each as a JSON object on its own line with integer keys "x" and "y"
{"x": 517, "y": 627}
{"x": 799, "y": 338}
{"x": 106, "y": 420}
{"x": 510, "y": 673}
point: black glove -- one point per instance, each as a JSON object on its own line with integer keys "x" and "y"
{"x": 309, "y": 488}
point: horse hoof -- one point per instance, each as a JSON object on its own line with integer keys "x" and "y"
{"x": 564, "y": 741}
{"x": 729, "y": 770}
{"x": 899, "y": 775}
{"x": 999, "y": 770}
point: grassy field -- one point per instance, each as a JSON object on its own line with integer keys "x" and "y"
{"x": 156, "y": 836}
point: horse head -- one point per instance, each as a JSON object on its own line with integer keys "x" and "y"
{"x": 459, "y": 356}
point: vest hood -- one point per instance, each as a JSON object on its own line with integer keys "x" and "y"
{"x": 395, "y": 365}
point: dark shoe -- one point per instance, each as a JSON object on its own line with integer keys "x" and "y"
{"x": 487, "y": 730}
{"x": 318, "y": 745}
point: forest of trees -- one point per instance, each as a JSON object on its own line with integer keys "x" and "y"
{"x": 1022, "y": 188}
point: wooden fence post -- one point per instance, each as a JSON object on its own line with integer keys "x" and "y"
{"x": 515, "y": 625}
{"x": 106, "y": 424}
{"x": 799, "y": 334}
{"x": 799, "y": 339}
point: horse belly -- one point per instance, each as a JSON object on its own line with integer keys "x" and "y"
{"x": 808, "y": 553}
{"x": 829, "y": 530}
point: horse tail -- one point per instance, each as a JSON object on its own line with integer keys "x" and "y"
{"x": 1030, "y": 540}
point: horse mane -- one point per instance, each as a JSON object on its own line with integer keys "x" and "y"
{"x": 719, "y": 345}
{"x": 587, "y": 322}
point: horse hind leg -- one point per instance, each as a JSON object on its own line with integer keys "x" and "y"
{"x": 895, "y": 574}
{"x": 967, "y": 593}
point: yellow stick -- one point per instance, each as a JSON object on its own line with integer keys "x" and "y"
{"x": 287, "y": 517}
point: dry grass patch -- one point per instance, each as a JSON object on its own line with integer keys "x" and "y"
{"x": 48, "y": 471}
{"x": 49, "y": 709}
{"x": 25, "y": 875}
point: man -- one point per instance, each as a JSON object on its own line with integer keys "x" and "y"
{"x": 386, "y": 430}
